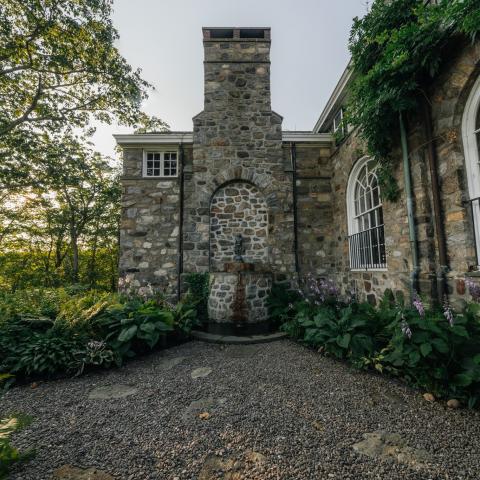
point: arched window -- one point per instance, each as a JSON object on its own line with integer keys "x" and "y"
{"x": 365, "y": 218}
{"x": 471, "y": 145}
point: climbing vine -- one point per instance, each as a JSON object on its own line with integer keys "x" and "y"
{"x": 397, "y": 48}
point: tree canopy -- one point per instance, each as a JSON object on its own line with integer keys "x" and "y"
{"x": 60, "y": 70}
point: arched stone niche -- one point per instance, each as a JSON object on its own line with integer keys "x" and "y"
{"x": 238, "y": 207}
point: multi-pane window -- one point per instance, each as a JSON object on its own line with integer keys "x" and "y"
{"x": 160, "y": 164}
{"x": 471, "y": 147}
{"x": 367, "y": 235}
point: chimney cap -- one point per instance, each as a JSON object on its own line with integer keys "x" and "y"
{"x": 236, "y": 33}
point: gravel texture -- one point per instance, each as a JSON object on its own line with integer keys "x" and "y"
{"x": 276, "y": 411}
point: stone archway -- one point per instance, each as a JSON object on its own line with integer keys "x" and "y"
{"x": 238, "y": 207}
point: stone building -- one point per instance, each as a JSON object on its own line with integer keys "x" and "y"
{"x": 304, "y": 202}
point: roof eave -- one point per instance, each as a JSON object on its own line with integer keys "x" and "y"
{"x": 335, "y": 99}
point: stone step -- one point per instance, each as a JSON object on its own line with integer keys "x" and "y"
{"x": 237, "y": 340}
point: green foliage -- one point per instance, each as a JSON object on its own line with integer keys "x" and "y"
{"x": 61, "y": 66}
{"x": 40, "y": 353}
{"x": 280, "y": 303}
{"x": 440, "y": 357}
{"x": 185, "y": 316}
{"x": 129, "y": 327}
{"x": 199, "y": 290}
{"x": 397, "y": 48}
{"x": 347, "y": 333}
{"x": 9, "y": 454}
{"x": 35, "y": 302}
{"x": 90, "y": 329}
{"x": 434, "y": 349}
{"x": 6, "y": 380}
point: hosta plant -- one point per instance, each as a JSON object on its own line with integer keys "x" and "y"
{"x": 128, "y": 326}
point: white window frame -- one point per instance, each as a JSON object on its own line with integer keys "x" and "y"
{"x": 340, "y": 124}
{"x": 162, "y": 152}
{"x": 470, "y": 133}
{"x": 352, "y": 218}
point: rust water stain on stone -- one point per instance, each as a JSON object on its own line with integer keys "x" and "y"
{"x": 239, "y": 305}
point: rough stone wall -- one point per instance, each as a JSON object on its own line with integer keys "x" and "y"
{"x": 238, "y": 208}
{"x": 238, "y": 137}
{"x": 226, "y": 287}
{"x": 149, "y": 230}
{"x": 314, "y": 209}
{"x": 448, "y": 95}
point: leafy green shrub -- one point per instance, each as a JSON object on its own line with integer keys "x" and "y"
{"x": 79, "y": 311}
{"x": 280, "y": 303}
{"x": 95, "y": 353}
{"x": 431, "y": 348}
{"x": 345, "y": 333}
{"x": 185, "y": 316}
{"x": 35, "y": 302}
{"x": 91, "y": 329}
{"x": 199, "y": 290}
{"x": 428, "y": 350}
{"x": 6, "y": 380}
{"x": 42, "y": 354}
{"x": 9, "y": 454}
{"x": 128, "y": 327}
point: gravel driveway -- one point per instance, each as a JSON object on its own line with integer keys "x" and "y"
{"x": 276, "y": 411}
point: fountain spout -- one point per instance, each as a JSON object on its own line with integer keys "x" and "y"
{"x": 239, "y": 249}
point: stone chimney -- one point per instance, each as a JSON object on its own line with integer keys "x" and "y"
{"x": 237, "y": 143}
{"x": 237, "y": 69}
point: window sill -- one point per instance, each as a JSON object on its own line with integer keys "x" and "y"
{"x": 366, "y": 270}
{"x": 140, "y": 177}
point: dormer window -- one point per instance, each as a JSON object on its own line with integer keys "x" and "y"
{"x": 160, "y": 163}
{"x": 339, "y": 126}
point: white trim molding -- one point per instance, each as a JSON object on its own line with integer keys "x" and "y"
{"x": 364, "y": 242}
{"x": 335, "y": 100}
{"x": 472, "y": 156}
{"x": 175, "y": 138}
{"x": 161, "y": 160}
{"x": 167, "y": 138}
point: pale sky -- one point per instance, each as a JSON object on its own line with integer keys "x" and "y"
{"x": 164, "y": 38}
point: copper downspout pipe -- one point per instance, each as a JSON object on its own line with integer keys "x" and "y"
{"x": 443, "y": 268}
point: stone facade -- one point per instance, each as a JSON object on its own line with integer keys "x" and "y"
{"x": 239, "y": 298}
{"x": 238, "y": 138}
{"x": 285, "y": 192}
{"x": 238, "y": 208}
{"x": 149, "y": 231}
{"x": 448, "y": 95}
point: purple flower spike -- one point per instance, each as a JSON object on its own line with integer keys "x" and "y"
{"x": 447, "y": 312}
{"x": 417, "y": 303}
{"x": 406, "y": 329}
{"x": 474, "y": 289}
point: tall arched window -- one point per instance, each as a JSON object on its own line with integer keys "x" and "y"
{"x": 365, "y": 218}
{"x": 471, "y": 145}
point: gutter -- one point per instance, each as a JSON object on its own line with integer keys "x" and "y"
{"x": 180, "y": 222}
{"x": 411, "y": 221}
{"x": 293, "y": 155}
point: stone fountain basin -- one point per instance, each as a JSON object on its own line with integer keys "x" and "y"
{"x": 237, "y": 302}
{"x": 233, "y": 267}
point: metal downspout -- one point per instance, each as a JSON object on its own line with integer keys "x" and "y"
{"x": 293, "y": 154}
{"x": 180, "y": 223}
{"x": 411, "y": 221}
{"x": 442, "y": 289}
